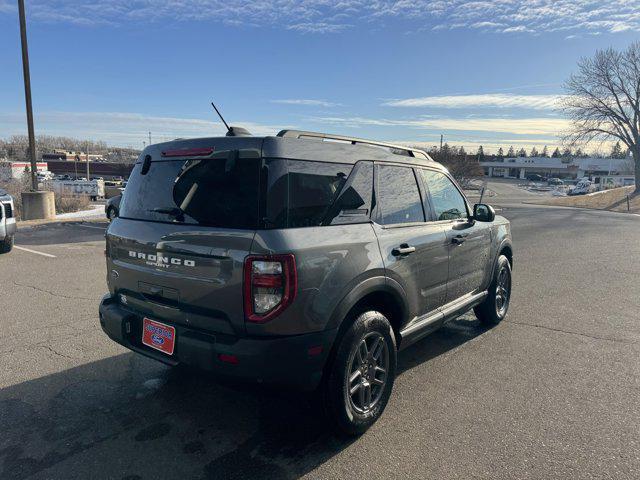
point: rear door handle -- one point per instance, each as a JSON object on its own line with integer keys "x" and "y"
{"x": 403, "y": 249}
{"x": 459, "y": 239}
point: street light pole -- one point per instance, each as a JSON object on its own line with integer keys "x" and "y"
{"x": 88, "y": 177}
{"x": 27, "y": 95}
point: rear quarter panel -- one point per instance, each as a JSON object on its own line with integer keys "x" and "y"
{"x": 330, "y": 260}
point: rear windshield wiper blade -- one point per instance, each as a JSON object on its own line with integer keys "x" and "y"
{"x": 172, "y": 211}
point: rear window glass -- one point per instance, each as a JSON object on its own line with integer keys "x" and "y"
{"x": 219, "y": 192}
{"x": 250, "y": 193}
{"x": 301, "y": 193}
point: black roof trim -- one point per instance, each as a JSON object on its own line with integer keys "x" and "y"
{"x": 396, "y": 149}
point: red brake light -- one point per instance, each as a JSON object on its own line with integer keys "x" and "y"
{"x": 270, "y": 285}
{"x": 188, "y": 152}
{"x": 226, "y": 358}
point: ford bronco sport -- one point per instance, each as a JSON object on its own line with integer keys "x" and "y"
{"x": 7, "y": 222}
{"x": 303, "y": 259}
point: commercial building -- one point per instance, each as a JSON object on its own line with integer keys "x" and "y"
{"x": 565, "y": 168}
{"x": 69, "y": 155}
{"x": 106, "y": 170}
{"x": 15, "y": 170}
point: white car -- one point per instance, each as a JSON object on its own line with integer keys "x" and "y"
{"x": 582, "y": 188}
{"x": 7, "y": 222}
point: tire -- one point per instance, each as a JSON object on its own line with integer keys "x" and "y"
{"x": 111, "y": 213}
{"x": 7, "y": 244}
{"x": 495, "y": 306}
{"x": 369, "y": 338}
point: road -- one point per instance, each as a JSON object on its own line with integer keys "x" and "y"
{"x": 552, "y": 392}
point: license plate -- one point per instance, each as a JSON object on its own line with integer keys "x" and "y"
{"x": 158, "y": 335}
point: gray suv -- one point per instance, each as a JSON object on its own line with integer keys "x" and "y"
{"x": 7, "y": 222}
{"x": 304, "y": 259}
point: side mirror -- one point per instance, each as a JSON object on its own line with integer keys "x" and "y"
{"x": 483, "y": 212}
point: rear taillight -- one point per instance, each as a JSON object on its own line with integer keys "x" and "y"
{"x": 270, "y": 285}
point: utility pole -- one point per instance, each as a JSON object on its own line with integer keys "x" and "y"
{"x": 27, "y": 95}
{"x": 441, "y": 138}
{"x": 88, "y": 177}
{"x": 149, "y": 138}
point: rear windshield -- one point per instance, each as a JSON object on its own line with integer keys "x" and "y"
{"x": 242, "y": 191}
{"x": 217, "y": 192}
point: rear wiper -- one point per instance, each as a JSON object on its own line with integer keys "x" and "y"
{"x": 171, "y": 211}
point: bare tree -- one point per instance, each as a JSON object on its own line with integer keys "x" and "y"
{"x": 603, "y": 100}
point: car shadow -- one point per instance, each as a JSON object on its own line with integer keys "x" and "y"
{"x": 131, "y": 418}
{"x": 61, "y": 233}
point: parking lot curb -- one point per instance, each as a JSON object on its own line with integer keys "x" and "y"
{"x": 28, "y": 224}
{"x": 551, "y": 205}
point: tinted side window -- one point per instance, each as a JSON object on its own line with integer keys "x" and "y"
{"x": 398, "y": 195}
{"x": 354, "y": 202}
{"x": 300, "y": 193}
{"x": 447, "y": 201}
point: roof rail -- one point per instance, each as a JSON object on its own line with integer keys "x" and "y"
{"x": 397, "y": 149}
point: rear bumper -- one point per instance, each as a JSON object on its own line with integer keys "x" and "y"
{"x": 291, "y": 361}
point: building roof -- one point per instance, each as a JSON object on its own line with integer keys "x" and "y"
{"x": 589, "y": 163}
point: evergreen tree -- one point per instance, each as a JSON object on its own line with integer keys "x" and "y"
{"x": 480, "y": 154}
{"x": 616, "y": 151}
{"x": 556, "y": 153}
{"x": 511, "y": 153}
{"x": 566, "y": 153}
{"x": 534, "y": 152}
{"x": 545, "y": 152}
{"x": 462, "y": 152}
{"x": 522, "y": 153}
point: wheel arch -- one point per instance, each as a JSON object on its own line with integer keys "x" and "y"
{"x": 506, "y": 249}
{"x": 376, "y": 293}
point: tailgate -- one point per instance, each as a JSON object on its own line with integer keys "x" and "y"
{"x": 182, "y": 274}
{"x": 187, "y": 221}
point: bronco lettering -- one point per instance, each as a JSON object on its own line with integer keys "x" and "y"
{"x": 160, "y": 260}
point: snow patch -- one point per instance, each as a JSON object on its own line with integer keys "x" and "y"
{"x": 93, "y": 212}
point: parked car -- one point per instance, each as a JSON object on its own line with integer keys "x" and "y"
{"x": 555, "y": 181}
{"x": 534, "y": 177}
{"x": 7, "y": 222}
{"x": 274, "y": 259}
{"x": 112, "y": 207}
{"x": 582, "y": 188}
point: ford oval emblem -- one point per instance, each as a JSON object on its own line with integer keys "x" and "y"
{"x": 157, "y": 339}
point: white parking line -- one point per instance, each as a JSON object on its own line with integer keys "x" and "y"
{"x": 34, "y": 251}
{"x": 90, "y": 226}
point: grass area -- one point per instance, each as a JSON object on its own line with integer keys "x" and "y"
{"x": 614, "y": 200}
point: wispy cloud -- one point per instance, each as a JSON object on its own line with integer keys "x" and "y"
{"x": 510, "y": 17}
{"x": 306, "y": 102}
{"x": 517, "y": 126}
{"x": 318, "y": 27}
{"x": 123, "y": 128}
{"x": 499, "y": 100}
{"x": 6, "y": 7}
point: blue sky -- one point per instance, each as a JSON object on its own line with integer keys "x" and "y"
{"x": 483, "y": 72}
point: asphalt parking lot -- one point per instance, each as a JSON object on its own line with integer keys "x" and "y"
{"x": 552, "y": 392}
